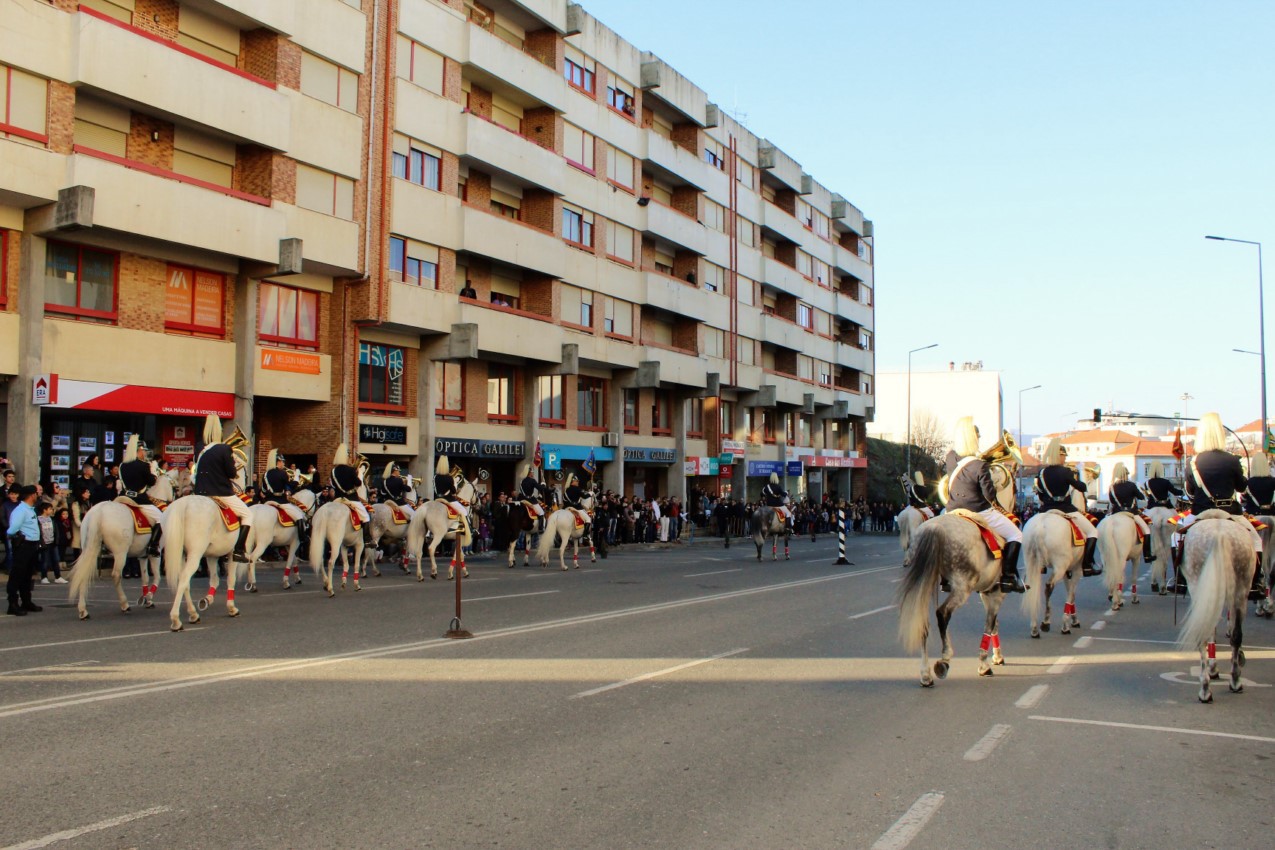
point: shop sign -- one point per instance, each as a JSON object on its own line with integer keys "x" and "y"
{"x": 815, "y": 476}
{"x": 178, "y": 445}
{"x": 763, "y": 468}
{"x": 726, "y": 459}
{"x": 690, "y": 466}
{"x": 297, "y": 362}
{"x": 644, "y": 455}
{"x": 794, "y": 469}
{"x": 734, "y": 447}
{"x": 553, "y": 461}
{"x": 490, "y": 449}
{"x": 834, "y": 462}
{"x": 395, "y": 435}
{"x": 132, "y": 398}
{"x": 44, "y": 389}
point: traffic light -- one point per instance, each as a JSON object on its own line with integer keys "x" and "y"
{"x": 1097, "y": 415}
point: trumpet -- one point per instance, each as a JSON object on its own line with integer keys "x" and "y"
{"x": 1003, "y": 459}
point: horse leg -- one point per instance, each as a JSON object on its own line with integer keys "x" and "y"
{"x": 1237, "y": 651}
{"x": 1046, "y": 624}
{"x": 214, "y": 581}
{"x": 433, "y": 564}
{"x": 360, "y": 560}
{"x": 774, "y": 548}
{"x": 944, "y": 616}
{"x": 562, "y": 551}
{"x": 593, "y": 555}
{"x": 575, "y": 552}
{"x": 1206, "y": 648}
{"x": 993, "y": 614}
{"x": 117, "y": 577}
{"x": 232, "y": 574}
{"x": 787, "y": 539}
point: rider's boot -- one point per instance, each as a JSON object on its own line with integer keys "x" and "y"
{"x": 1086, "y": 561}
{"x": 1179, "y": 581}
{"x": 1146, "y": 549}
{"x": 367, "y": 533}
{"x": 157, "y": 531}
{"x": 1258, "y": 591}
{"x": 1010, "y": 582}
{"x": 239, "y": 554}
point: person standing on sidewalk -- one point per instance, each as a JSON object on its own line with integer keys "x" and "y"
{"x": 48, "y": 558}
{"x": 23, "y": 535}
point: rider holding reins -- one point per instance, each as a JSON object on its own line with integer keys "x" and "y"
{"x": 1055, "y": 486}
{"x": 970, "y": 486}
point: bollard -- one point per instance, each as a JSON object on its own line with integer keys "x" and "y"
{"x": 841, "y": 539}
{"x": 455, "y": 630}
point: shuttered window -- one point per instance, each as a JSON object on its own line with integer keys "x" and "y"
{"x": 620, "y": 168}
{"x": 620, "y": 241}
{"x": 329, "y": 82}
{"x": 618, "y": 318}
{"x": 325, "y": 192}
{"x": 506, "y": 113}
{"x": 101, "y": 126}
{"x": 120, "y": 10}
{"x": 23, "y": 99}
{"x": 206, "y": 35}
{"x": 420, "y": 65}
{"x": 203, "y": 157}
{"x": 577, "y": 146}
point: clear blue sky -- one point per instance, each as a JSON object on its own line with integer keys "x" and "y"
{"x": 1041, "y": 176}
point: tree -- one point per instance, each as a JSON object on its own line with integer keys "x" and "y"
{"x": 887, "y": 463}
{"x": 928, "y": 438}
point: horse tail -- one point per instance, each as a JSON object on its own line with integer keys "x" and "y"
{"x": 1112, "y": 558}
{"x": 1209, "y": 592}
{"x": 905, "y": 530}
{"x": 917, "y": 590}
{"x": 174, "y": 537}
{"x": 547, "y": 539}
{"x": 318, "y": 537}
{"x": 1036, "y": 560}
{"x": 85, "y": 569}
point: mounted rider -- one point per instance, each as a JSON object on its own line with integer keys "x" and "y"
{"x": 1259, "y": 498}
{"x": 1123, "y": 497}
{"x": 277, "y": 488}
{"x": 970, "y": 486}
{"x": 1160, "y": 490}
{"x": 217, "y": 470}
{"x": 530, "y": 490}
{"x": 447, "y": 490}
{"x": 773, "y": 495}
{"x": 394, "y": 486}
{"x": 919, "y": 494}
{"x": 574, "y": 497}
{"x": 137, "y": 476}
{"x": 1060, "y": 490}
{"x": 1215, "y": 480}
{"x": 346, "y": 482}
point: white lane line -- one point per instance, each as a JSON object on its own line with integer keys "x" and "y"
{"x": 645, "y": 676}
{"x": 988, "y": 742}
{"x": 68, "y": 834}
{"x": 1098, "y": 625}
{"x": 1034, "y": 695}
{"x": 910, "y": 825}
{"x": 873, "y": 611}
{"x": 49, "y": 667}
{"x": 512, "y": 596}
{"x": 1179, "y": 730}
{"x": 181, "y": 682}
{"x": 714, "y": 573}
{"x": 895, "y": 580}
{"x": 1165, "y": 642}
{"x": 1083, "y": 642}
{"x": 93, "y": 640}
{"x": 1061, "y": 665}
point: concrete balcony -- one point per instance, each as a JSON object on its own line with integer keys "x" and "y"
{"x": 280, "y": 17}
{"x": 496, "y": 64}
{"x": 162, "y": 78}
{"x": 677, "y": 161}
{"x": 552, "y": 13}
{"x": 679, "y": 229}
{"x": 787, "y": 226}
{"x": 789, "y": 390}
{"x": 513, "y": 242}
{"x": 784, "y": 333}
{"x": 848, "y": 261}
{"x": 76, "y": 350}
{"x": 29, "y": 176}
{"x": 786, "y": 278}
{"x": 498, "y": 149}
{"x": 678, "y": 367}
{"x": 860, "y": 314}
{"x": 858, "y": 402}
{"x": 515, "y": 334}
{"x": 679, "y": 297}
{"x": 330, "y": 244}
{"x": 847, "y": 214}
{"x": 243, "y": 228}
{"x": 337, "y": 148}
{"x": 780, "y": 166}
{"x": 658, "y": 79}
{"x": 426, "y": 215}
{"x": 417, "y": 309}
{"x": 748, "y": 378}
{"x": 331, "y": 28}
{"x": 282, "y": 373}
{"x": 855, "y": 357}
{"x": 424, "y": 115}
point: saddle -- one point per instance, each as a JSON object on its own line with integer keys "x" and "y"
{"x": 355, "y": 519}
{"x": 396, "y": 512}
{"x": 228, "y": 516}
{"x": 141, "y": 524}
{"x": 1077, "y": 537}
{"x": 582, "y": 519}
{"x": 285, "y": 518}
{"x": 993, "y": 541}
{"x": 531, "y": 510}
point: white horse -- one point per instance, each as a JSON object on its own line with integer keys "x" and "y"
{"x": 564, "y": 523}
{"x": 768, "y": 522}
{"x": 432, "y": 522}
{"x": 110, "y": 525}
{"x": 333, "y": 529}
{"x": 1266, "y": 607}
{"x": 385, "y": 528}
{"x": 268, "y": 531}
{"x": 1049, "y": 551}
{"x": 194, "y": 532}
{"x": 1118, "y": 544}
{"x": 1161, "y": 546}
{"x": 1218, "y": 562}
{"x": 909, "y": 520}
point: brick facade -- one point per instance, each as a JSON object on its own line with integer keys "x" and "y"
{"x": 150, "y": 141}
{"x": 158, "y": 17}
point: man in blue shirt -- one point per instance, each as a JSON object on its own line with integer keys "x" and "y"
{"x": 24, "y": 538}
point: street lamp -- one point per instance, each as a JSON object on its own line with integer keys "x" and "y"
{"x": 1261, "y": 322}
{"x": 1020, "y": 410}
{"x": 909, "y": 435}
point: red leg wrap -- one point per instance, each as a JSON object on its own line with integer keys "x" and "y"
{"x": 230, "y": 595}
{"x": 212, "y": 593}
{"x": 986, "y": 642}
{"x": 1212, "y": 651}
{"x": 996, "y": 641}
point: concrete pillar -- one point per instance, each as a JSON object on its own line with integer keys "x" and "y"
{"x": 246, "y": 355}
{"x": 530, "y": 417}
{"x": 22, "y": 429}
{"x": 738, "y": 478}
{"x": 427, "y": 399}
{"x": 676, "y": 482}
{"x": 613, "y": 472}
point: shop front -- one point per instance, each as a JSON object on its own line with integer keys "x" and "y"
{"x": 828, "y": 473}
{"x": 704, "y": 475}
{"x": 493, "y": 462}
{"x": 646, "y": 471}
{"x": 561, "y": 461}
{"x": 758, "y": 473}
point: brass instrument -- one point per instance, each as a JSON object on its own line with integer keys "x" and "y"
{"x": 1003, "y": 458}
{"x": 238, "y": 440}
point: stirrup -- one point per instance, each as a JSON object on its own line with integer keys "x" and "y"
{"x": 1090, "y": 571}
{"x": 1012, "y": 584}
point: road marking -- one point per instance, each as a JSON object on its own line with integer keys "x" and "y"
{"x": 512, "y": 596}
{"x": 912, "y": 822}
{"x": 895, "y": 580}
{"x": 873, "y": 611}
{"x": 181, "y": 682}
{"x": 92, "y": 640}
{"x": 1179, "y": 730}
{"x": 49, "y": 667}
{"x": 988, "y": 742}
{"x": 910, "y": 825}
{"x": 714, "y": 573}
{"x": 1099, "y": 625}
{"x": 1166, "y": 642}
{"x": 1083, "y": 642}
{"x": 1034, "y": 695}
{"x": 645, "y": 676}
{"x": 1192, "y": 677}
{"x": 68, "y": 834}
{"x": 1061, "y": 665}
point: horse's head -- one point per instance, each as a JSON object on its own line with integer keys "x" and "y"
{"x": 306, "y": 499}
{"x": 466, "y": 491}
{"x": 163, "y": 490}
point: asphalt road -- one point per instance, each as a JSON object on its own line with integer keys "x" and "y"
{"x": 681, "y": 697}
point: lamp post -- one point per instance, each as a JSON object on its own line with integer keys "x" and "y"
{"x": 909, "y": 434}
{"x": 1020, "y": 410}
{"x": 1261, "y": 321}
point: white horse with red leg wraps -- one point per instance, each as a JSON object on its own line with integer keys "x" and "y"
{"x": 569, "y": 526}
{"x": 434, "y": 522}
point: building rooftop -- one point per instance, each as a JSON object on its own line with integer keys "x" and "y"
{"x": 1105, "y": 436}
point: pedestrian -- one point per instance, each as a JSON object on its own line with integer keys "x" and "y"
{"x": 23, "y": 537}
{"x": 62, "y": 532}
{"x": 49, "y": 558}
{"x": 81, "y": 502}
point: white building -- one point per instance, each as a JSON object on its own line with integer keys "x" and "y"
{"x": 939, "y": 399}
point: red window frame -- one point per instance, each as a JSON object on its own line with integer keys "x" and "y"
{"x": 190, "y": 327}
{"x": 588, "y": 387}
{"x": 584, "y": 227}
{"x": 587, "y": 79}
{"x": 365, "y": 375}
{"x": 662, "y": 414}
{"x": 551, "y": 421}
{"x": 77, "y": 311}
{"x": 4, "y": 268}
{"x": 767, "y": 426}
{"x": 498, "y": 371}
{"x": 442, "y": 411}
{"x": 631, "y": 401}
{"x": 625, "y": 99}
{"x": 694, "y": 418}
{"x": 285, "y": 339}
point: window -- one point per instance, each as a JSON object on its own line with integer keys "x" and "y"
{"x": 208, "y": 36}
{"x": 450, "y": 378}
{"x": 745, "y": 351}
{"x": 120, "y": 10}
{"x": 23, "y": 100}
{"x": 745, "y": 173}
{"x": 413, "y": 262}
{"x": 420, "y": 65}
{"x": 714, "y": 344}
{"x": 805, "y": 367}
{"x": 325, "y": 192}
{"x": 662, "y": 413}
{"x": 579, "y": 71}
{"x": 663, "y": 261}
{"x": 744, "y": 232}
{"x": 715, "y": 154}
{"x": 577, "y": 226}
{"x": 4, "y": 268}
{"x": 577, "y": 147}
{"x": 212, "y": 160}
{"x": 714, "y": 216}
{"x": 620, "y": 97}
{"x": 288, "y": 315}
{"x": 768, "y": 426}
{"x": 618, "y": 320}
{"x": 750, "y": 426}
{"x": 506, "y": 113}
{"x": 591, "y": 403}
{"x": 620, "y": 168}
{"x": 417, "y": 163}
{"x": 630, "y": 411}
{"x": 744, "y": 289}
{"x": 101, "y": 126}
{"x": 381, "y": 371}
{"x": 620, "y": 242}
{"x": 825, "y": 373}
{"x": 577, "y": 306}
{"x": 506, "y": 199}
{"x": 804, "y": 266}
{"x": 329, "y": 82}
{"x": 820, "y": 271}
{"x": 551, "y": 413}
{"x": 506, "y": 291}
{"x": 727, "y": 421}
{"x": 805, "y": 316}
{"x": 822, "y": 226}
{"x": 714, "y": 277}
{"x": 195, "y": 301}
{"x": 80, "y": 281}
{"x": 695, "y": 417}
{"x": 502, "y": 393}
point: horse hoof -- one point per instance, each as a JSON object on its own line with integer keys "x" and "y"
{"x": 1155, "y": 587}
{"x": 420, "y": 578}
{"x": 1214, "y": 675}
{"x": 1206, "y": 698}
{"x": 1044, "y": 627}
{"x": 927, "y": 683}
{"x": 194, "y": 618}
{"x": 125, "y": 609}
{"x": 1036, "y": 634}
{"x": 376, "y": 573}
{"x": 84, "y": 615}
{"x": 141, "y": 600}
{"x": 202, "y": 604}
{"x": 177, "y": 628}
{"x": 1237, "y": 687}
{"x": 150, "y": 603}
{"x": 1135, "y": 600}
{"x": 985, "y": 672}
{"x": 331, "y": 593}
{"x": 251, "y": 587}
{"x": 234, "y": 613}
{"x": 357, "y": 587}
{"x": 433, "y": 575}
{"x": 464, "y": 573}
{"x": 998, "y": 662}
{"x": 940, "y": 669}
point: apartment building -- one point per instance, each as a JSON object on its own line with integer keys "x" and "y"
{"x": 422, "y": 227}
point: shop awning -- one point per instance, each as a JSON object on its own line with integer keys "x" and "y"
{"x": 133, "y": 398}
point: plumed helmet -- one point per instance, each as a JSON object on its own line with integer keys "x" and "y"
{"x": 1120, "y": 473}
{"x": 571, "y": 479}
{"x": 342, "y": 456}
{"x": 212, "y": 429}
{"x": 526, "y": 471}
{"x": 774, "y": 478}
{"x": 388, "y": 472}
{"x": 1210, "y": 434}
{"x": 965, "y": 439}
{"x": 273, "y": 458}
{"x": 1259, "y": 466}
{"x": 1054, "y": 452}
{"x": 130, "y": 451}
{"x": 1156, "y": 470}
{"x": 443, "y": 466}
{"x": 918, "y": 477}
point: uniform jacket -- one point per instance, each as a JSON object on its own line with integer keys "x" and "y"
{"x": 394, "y": 489}
{"x": 773, "y": 495}
{"x": 574, "y": 494}
{"x": 530, "y": 488}
{"x": 919, "y": 495}
{"x": 1261, "y": 493}
{"x": 444, "y": 487}
{"x": 1222, "y": 475}
{"x": 972, "y": 487}
{"x": 216, "y": 471}
{"x": 137, "y": 477}
{"x": 1158, "y": 492}
{"x": 1124, "y": 496}
{"x": 1054, "y": 485}
{"x": 345, "y": 481}
{"x": 274, "y": 486}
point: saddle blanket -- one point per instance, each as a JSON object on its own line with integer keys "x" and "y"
{"x": 230, "y": 518}
{"x": 1077, "y": 537}
{"x": 991, "y": 539}
{"x": 140, "y": 523}
{"x": 355, "y": 519}
{"x": 285, "y": 518}
{"x": 1257, "y": 524}
{"x": 582, "y": 519}
{"x": 531, "y": 511}
{"x": 400, "y": 518}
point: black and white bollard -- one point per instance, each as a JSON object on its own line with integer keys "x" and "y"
{"x": 841, "y": 539}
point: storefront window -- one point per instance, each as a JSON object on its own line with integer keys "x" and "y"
{"x": 381, "y": 371}
{"x": 502, "y": 395}
{"x": 287, "y": 315}
{"x": 451, "y": 386}
{"x": 80, "y": 281}
{"x": 551, "y": 410}
{"x": 195, "y": 302}
{"x": 591, "y": 403}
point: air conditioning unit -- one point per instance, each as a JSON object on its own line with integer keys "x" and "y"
{"x": 611, "y": 439}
